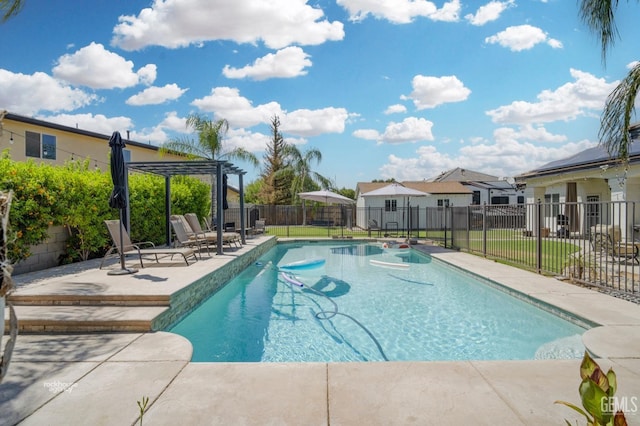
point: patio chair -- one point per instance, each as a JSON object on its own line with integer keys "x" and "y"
{"x": 606, "y": 239}
{"x": 140, "y": 248}
{"x": 373, "y": 226}
{"x": 193, "y": 225}
{"x": 260, "y": 227}
{"x": 184, "y": 239}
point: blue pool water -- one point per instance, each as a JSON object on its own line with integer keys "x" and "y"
{"x": 402, "y": 306}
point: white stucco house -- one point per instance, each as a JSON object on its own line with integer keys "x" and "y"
{"x": 486, "y": 189}
{"x": 589, "y": 188}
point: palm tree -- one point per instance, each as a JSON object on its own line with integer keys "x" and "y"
{"x": 10, "y": 8}
{"x": 300, "y": 163}
{"x": 208, "y": 146}
{"x": 619, "y": 109}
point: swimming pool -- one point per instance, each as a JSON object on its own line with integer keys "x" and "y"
{"x": 368, "y": 303}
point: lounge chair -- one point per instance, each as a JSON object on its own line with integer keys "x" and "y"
{"x": 141, "y": 248}
{"x": 373, "y": 226}
{"x": 186, "y": 239}
{"x": 606, "y": 239}
{"x": 227, "y": 237}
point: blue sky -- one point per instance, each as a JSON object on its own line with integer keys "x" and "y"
{"x": 384, "y": 89}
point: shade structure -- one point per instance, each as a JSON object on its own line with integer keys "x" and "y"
{"x": 397, "y": 190}
{"x": 118, "y": 198}
{"x": 326, "y": 196}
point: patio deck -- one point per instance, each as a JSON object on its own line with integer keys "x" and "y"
{"x": 97, "y": 378}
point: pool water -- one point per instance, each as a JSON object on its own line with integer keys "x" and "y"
{"x": 402, "y": 306}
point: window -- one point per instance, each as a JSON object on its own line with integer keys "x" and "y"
{"x": 390, "y": 205}
{"x": 32, "y": 144}
{"x": 443, "y": 203}
{"x": 520, "y": 199}
{"x": 476, "y": 198}
{"x": 49, "y": 147}
{"x": 126, "y": 154}
{"x": 500, "y": 199}
{"x": 551, "y": 205}
{"x": 40, "y": 146}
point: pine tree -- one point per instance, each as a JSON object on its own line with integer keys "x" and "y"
{"x": 277, "y": 182}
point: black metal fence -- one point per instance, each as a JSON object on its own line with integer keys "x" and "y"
{"x": 594, "y": 243}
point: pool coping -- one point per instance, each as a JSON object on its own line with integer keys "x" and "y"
{"x": 108, "y": 373}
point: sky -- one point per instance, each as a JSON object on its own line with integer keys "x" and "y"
{"x": 402, "y": 89}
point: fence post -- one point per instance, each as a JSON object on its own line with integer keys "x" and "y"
{"x": 444, "y": 217}
{"x": 484, "y": 229}
{"x": 538, "y": 227}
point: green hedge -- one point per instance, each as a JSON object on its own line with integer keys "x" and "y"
{"x": 77, "y": 197}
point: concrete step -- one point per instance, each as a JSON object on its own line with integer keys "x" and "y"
{"x": 87, "y": 300}
{"x": 84, "y": 319}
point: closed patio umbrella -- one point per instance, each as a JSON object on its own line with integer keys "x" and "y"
{"x": 118, "y": 198}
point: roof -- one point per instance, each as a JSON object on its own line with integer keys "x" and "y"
{"x": 172, "y": 168}
{"x": 463, "y": 175}
{"x": 588, "y": 159}
{"x": 438, "y": 187}
{"x": 424, "y": 186}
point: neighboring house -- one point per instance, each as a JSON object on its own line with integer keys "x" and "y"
{"x": 386, "y": 210}
{"x": 487, "y": 189}
{"x": 591, "y": 177}
{"x": 50, "y": 143}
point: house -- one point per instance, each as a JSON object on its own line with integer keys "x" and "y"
{"x": 32, "y": 139}
{"x": 591, "y": 177}
{"x": 391, "y": 211}
{"x": 487, "y": 189}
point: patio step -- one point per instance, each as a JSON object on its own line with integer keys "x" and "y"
{"x": 84, "y": 319}
{"x": 88, "y": 300}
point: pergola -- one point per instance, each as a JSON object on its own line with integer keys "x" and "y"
{"x": 216, "y": 168}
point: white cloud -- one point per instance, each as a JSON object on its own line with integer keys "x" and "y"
{"x": 98, "y": 123}
{"x": 156, "y": 95}
{"x": 489, "y": 12}
{"x": 367, "y": 134}
{"x": 411, "y": 129}
{"x": 305, "y": 122}
{"x": 522, "y": 37}
{"x": 94, "y": 66}
{"x": 226, "y": 102}
{"x": 401, "y": 11}
{"x": 242, "y": 138}
{"x": 395, "y": 109}
{"x": 429, "y": 92}
{"x": 286, "y": 63}
{"x": 28, "y": 94}
{"x": 586, "y": 95}
{"x": 179, "y": 23}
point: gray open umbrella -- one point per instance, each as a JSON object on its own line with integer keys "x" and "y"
{"x": 323, "y": 196}
{"x": 118, "y": 198}
{"x": 397, "y": 190}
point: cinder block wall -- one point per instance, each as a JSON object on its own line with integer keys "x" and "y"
{"x": 44, "y": 255}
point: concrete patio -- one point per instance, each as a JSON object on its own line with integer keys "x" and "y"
{"x": 97, "y": 378}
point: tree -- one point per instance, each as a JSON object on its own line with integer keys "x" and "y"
{"x": 276, "y": 179}
{"x": 599, "y": 15}
{"x": 10, "y": 8}
{"x": 209, "y": 146}
{"x": 304, "y": 177}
